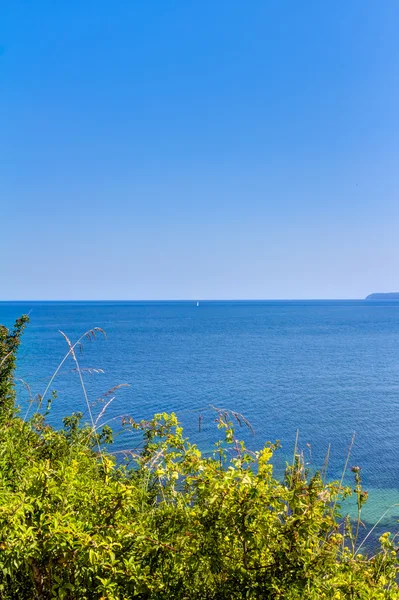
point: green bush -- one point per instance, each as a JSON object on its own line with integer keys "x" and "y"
{"x": 168, "y": 522}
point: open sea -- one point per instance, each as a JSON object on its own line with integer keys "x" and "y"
{"x": 325, "y": 368}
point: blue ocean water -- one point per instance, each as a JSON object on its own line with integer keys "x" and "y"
{"x": 325, "y": 368}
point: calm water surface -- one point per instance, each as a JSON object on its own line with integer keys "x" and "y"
{"x": 327, "y": 368}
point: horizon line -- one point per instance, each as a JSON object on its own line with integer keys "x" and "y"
{"x": 194, "y": 299}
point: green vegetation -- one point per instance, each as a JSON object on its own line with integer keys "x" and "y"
{"x": 168, "y": 522}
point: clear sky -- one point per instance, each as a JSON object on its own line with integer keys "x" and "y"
{"x": 161, "y": 149}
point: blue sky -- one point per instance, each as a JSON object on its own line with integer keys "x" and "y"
{"x": 198, "y": 149}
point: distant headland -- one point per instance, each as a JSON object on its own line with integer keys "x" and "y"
{"x": 386, "y": 296}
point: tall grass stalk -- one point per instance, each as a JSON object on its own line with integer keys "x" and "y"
{"x": 89, "y": 334}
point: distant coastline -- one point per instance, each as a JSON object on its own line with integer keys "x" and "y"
{"x": 383, "y": 296}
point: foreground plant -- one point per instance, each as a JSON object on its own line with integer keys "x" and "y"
{"x": 170, "y": 522}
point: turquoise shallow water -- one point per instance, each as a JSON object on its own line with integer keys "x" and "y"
{"x": 327, "y": 368}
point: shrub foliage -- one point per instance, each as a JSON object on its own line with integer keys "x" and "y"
{"x": 168, "y": 522}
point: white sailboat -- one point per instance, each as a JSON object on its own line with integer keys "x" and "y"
{"x": 197, "y": 303}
